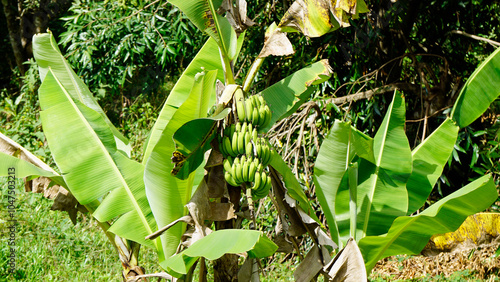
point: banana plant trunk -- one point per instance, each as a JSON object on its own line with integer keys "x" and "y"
{"x": 226, "y": 268}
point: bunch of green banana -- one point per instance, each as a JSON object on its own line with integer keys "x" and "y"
{"x": 262, "y": 151}
{"x": 253, "y": 110}
{"x": 238, "y": 139}
{"x": 247, "y": 169}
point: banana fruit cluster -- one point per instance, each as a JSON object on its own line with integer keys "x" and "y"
{"x": 246, "y": 154}
{"x": 242, "y": 139}
{"x": 253, "y": 110}
{"x": 247, "y": 170}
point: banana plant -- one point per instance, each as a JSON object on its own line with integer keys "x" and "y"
{"x": 394, "y": 182}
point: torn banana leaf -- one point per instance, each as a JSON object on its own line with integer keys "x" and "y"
{"x": 315, "y": 18}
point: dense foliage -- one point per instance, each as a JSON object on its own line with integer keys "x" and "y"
{"x": 129, "y": 54}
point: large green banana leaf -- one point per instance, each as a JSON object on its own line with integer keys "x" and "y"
{"x": 285, "y": 96}
{"x": 84, "y": 149}
{"x": 168, "y": 195}
{"x": 337, "y": 151}
{"x": 429, "y": 159}
{"x": 206, "y": 59}
{"x": 216, "y": 244}
{"x": 315, "y": 18}
{"x": 203, "y": 14}
{"x": 482, "y": 88}
{"x": 382, "y": 194}
{"x": 410, "y": 234}
{"x": 48, "y": 56}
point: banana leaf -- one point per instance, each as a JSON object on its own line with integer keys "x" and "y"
{"x": 206, "y": 59}
{"x": 482, "y": 88}
{"x": 285, "y": 96}
{"x": 85, "y": 152}
{"x": 168, "y": 195}
{"x": 48, "y": 56}
{"x": 382, "y": 194}
{"x": 428, "y": 160}
{"x": 203, "y": 14}
{"x": 315, "y": 18}
{"x": 192, "y": 140}
{"x": 292, "y": 185}
{"x": 216, "y": 244}
{"x": 23, "y": 169}
{"x": 342, "y": 144}
{"x": 410, "y": 234}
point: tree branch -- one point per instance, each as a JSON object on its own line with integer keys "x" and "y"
{"x": 370, "y": 93}
{"x": 492, "y": 42}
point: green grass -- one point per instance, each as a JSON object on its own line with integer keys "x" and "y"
{"x": 51, "y": 248}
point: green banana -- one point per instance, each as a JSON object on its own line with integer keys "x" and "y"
{"x": 254, "y": 135}
{"x": 237, "y": 127}
{"x": 244, "y": 127}
{"x": 240, "y": 109}
{"x": 258, "y": 148}
{"x": 262, "y": 115}
{"x": 237, "y": 172}
{"x": 249, "y": 108}
{"x": 261, "y": 100}
{"x": 244, "y": 171}
{"x": 221, "y": 148}
{"x": 238, "y": 94}
{"x": 267, "y": 155}
{"x": 228, "y": 166}
{"x": 234, "y": 143}
{"x": 227, "y": 147}
{"x": 250, "y": 128}
{"x": 249, "y": 148}
{"x": 255, "y": 116}
{"x": 255, "y": 101}
{"x": 252, "y": 169}
{"x": 263, "y": 181}
{"x": 229, "y": 179}
{"x": 241, "y": 143}
{"x": 257, "y": 181}
{"x": 261, "y": 193}
{"x": 248, "y": 137}
{"x": 269, "y": 115}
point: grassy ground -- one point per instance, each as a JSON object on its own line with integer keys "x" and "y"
{"x": 50, "y": 248}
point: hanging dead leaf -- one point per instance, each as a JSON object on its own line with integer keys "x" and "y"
{"x": 276, "y": 43}
{"x": 249, "y": 271}
{"x": 221, "y": 211}
{"x": 284, "y": 246}
{"x": 310, "y": 266}
{"x": 216, "y": 183}
{"x": 348, "y": 265}
{"x": 236, "y": 14}
{"x": 315, "y": 18}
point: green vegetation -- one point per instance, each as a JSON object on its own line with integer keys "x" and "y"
{"x": 129, "y": 130}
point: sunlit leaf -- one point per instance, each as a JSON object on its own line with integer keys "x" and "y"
{"x": 218, "y": 243}
{"x": 410, "y": 234}
{"x": 285, "y": 96}
{"x": 482, "y": 88}
{"x": 428, "y": 160}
